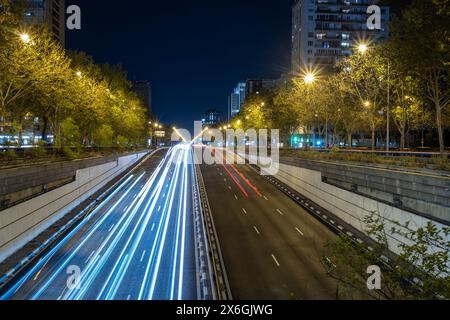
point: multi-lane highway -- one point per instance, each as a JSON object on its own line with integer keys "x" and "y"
{"x": 270, "y": 245}
{"x": 138, "y": 244}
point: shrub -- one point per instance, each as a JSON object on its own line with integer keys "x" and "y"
{"x": 11, "y": 155}
{"x": 68, "y": 153}
{"x": 37, "y": 153}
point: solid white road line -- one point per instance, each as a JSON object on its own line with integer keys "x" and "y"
{"x": 276, "y": 261}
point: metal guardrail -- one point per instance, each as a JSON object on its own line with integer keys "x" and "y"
{"x": 221, "y": 285}
{"x": 205, "y": 278}
{"x": 389, "y": 154}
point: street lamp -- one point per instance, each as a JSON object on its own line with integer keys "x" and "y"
{"x": 362, "y": 48}
{"x": 367, "y": 104}
{"x": 309, "y": 78}
{"x": 79, "y": 74}
{"x": 25, "y": 38}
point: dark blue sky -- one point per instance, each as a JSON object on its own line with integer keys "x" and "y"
{"x": 193, "y": 52}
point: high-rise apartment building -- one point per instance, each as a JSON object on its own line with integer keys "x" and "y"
{"x": 144, "y": 91}
{"x": 325, "y": 31}
{"x": 49, "y": 12}
{"x": 211, "y": 118}
{"x": 236, "y": 100}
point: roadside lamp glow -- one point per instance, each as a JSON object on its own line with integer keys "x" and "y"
{"x": 25, "y": 38}
{"x": 362, "y": 48}
{"x": 309, "y": 78}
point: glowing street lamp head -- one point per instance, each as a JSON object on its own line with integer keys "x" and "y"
{"x": 367, "y": 104}
{"x": 362, "y": 48}
{"x": 25, "y": 38}
{"x": 79, "y": 74}
{"x": 309, "y": 78}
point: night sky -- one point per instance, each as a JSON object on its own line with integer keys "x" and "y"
{"x": 193, "y": 52}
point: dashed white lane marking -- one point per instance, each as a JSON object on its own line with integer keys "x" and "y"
{"x": 159, "y": 208}
{"x": 265, "y": 198}
{"x": 256, "y": 229}
{"x": 153, "y": 228}
{"x": 164, "y": 195}
{"x": 236, "y": 197}
{"x": 229, "y": 187}
{"x": 111, "y": 227}
{"x": 280, "y": 212}
{"x": 126, "y": 208}
{"x": 245, "y": 211}
{"x": 143, "y": 255}
{"x": 276, "y": 261}
{"x": 299, "y": 231}
{"x": 329, "y": 261}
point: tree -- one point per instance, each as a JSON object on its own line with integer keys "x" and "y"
{"x": 421, "y": 271}
{"x": 70, "y": 133}
{"x": 104, "y": 136}
{"x": 363, "y": 74}
{"x": 420, "y": 45}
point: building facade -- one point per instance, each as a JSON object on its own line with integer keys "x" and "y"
{"x": 325, "y": 31}
{"x": 48, "y": 12}
{"x": 144, "y": 91}
{"x": 212, "y": 118}
{"x": 236, "y": 100}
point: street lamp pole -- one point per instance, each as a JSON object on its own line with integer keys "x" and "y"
{"x": 388, "y": 120}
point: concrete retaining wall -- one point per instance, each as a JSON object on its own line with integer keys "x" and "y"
{"x": 424, "y": 193}
{"x": 23, "y": 222}
{"x": 348, "y": 206}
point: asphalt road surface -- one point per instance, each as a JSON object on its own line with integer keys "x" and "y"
{"x": 137, "y": 245}
{"x": 270, "y": 245}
